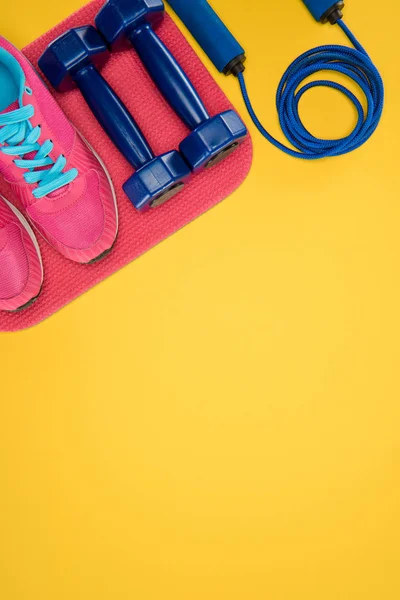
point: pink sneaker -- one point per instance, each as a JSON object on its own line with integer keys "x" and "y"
{"x": 64, "y": 187}
{"x": 21, "y": 271}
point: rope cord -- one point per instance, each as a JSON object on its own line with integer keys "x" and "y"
{"x": 352, "y": 62}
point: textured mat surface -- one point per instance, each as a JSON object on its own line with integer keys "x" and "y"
{"x": 64, "y": 280}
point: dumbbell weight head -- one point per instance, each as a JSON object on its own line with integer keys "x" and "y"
{"x": 118, "y": 18}
{"x": 71, "y": 52}
{"x": 213, "y": 141}
{"x": 157, "y": 181}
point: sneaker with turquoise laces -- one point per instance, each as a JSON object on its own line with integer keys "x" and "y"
{"x": 64, "y": 188}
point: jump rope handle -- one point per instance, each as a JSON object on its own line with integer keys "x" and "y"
{"x": 211, "y": 33}
{"x": 325, "y": 11}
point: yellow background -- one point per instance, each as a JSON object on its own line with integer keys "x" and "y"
{"x": 220, "y": 420}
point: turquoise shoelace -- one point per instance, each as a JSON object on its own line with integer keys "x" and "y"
{"x": 21, "y": 139}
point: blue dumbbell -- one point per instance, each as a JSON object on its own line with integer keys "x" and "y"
{"x": 133, "y": 22}
{"x": 74, "y": 59}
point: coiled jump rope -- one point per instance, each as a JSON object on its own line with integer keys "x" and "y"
{"x": 229, "y": 57}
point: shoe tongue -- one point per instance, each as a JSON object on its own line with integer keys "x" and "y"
{"x": 15, "y": 106}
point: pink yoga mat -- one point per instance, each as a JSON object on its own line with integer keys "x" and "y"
{"x": 64, "y": 280}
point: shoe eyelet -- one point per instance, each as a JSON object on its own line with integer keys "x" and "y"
{"x": 28, "y": 91}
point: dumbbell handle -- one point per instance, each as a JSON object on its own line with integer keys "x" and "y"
{"x": 113, "y": 116}
{"x": 169, "y": 76}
